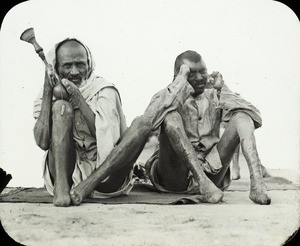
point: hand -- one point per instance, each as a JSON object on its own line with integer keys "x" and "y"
{"x": 52, "y": 80}
{"x": 217, "y": 81}
{"x": 184, "y": 71}
{"x": 72, "y": 89}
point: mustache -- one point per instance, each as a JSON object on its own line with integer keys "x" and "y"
{"x": 75, "y": 77}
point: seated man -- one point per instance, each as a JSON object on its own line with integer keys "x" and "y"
{"x": 198, "y": 122}
{"x": 80, "y": 127}
{"x": 191, "y": 157}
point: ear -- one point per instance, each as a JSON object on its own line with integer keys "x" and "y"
{"x": 56, "y": 66}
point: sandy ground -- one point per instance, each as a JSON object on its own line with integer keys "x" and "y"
{"x": 236, "y": 221}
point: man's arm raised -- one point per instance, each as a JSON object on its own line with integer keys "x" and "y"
{"x": 169, "y": 98}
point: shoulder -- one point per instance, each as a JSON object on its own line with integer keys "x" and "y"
{"x": 109, "y": 91}
{"x": 101, "y": 82}
{"x": 105, "y": 87}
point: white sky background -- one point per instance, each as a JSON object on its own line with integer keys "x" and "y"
{"x": 254, "y": 44}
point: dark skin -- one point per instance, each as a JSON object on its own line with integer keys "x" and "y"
{"x": 54, "y": 126}
{"x": 126, "y": 153}
{"x": 240, "y": 130}
{"x": 73, "y": 69}
{"x": 172, "y": 167}
{"x": 173, "y": 171}
{"x": 235, "y": 168}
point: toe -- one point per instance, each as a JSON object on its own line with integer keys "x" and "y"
{"x": 260, "y": 198}
{"x": 75, "y": 198}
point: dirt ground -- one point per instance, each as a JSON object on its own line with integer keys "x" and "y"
{"x": 236, "y": 221}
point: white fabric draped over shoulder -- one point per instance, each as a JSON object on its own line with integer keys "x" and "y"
{"x": 104, "y": 100}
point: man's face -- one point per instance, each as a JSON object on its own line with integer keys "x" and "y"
{"x": 72, "y": 62}
{"x": 198, "y": 75}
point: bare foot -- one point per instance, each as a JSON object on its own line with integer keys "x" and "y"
{"x": 235, "y": 174}
{"x": 213, "y": 197}
{"x": 210, "y": 193}
{"x": 76, "y": 197}
{"x": 258, "y": 192}
{"x": 61, "y": 197}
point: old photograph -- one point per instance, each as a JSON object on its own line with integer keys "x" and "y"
{"x": 150, "y": 122}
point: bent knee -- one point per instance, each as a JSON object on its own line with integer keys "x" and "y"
{"x": 242, "y": 118}
{"x": 172, "y": 120}
{"x": 243, "y": 123}
{"x": 140, "y": 122}
{"x": 62, "y": 108}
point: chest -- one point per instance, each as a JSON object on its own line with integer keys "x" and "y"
{"x": 201, "y": 105}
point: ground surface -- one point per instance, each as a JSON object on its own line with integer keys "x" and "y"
{"x": 236, "y": 221}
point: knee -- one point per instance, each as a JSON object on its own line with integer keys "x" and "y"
{"x": 243, "y": 120}
{"x": 62, "y": 108}
{"x": 172, "y": 120}
{"x": 142, "y": 123}
{"x": 244, "y": 125}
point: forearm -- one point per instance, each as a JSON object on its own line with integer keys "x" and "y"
{"x": 42, "y": 128}
{"x": 77, "y": 100}
{"x": 167, "y": 100}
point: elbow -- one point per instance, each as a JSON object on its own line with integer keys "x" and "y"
{"x": 41, "y": 141}
{"x": 42, "y": 145}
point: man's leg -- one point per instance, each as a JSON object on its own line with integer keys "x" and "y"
{"x": 136, "y": 136}
{"x": 177, "y": 157}
{"x": 240, "y": 129}
{"x": 235, "y": 164}
{"x": 123, "y": 156}
{"x": 62, "y": 156}
{"x": 115, "y": 180}
{"x": 265, "y": 172}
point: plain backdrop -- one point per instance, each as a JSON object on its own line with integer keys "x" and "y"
{"x": 254, "y": 44}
